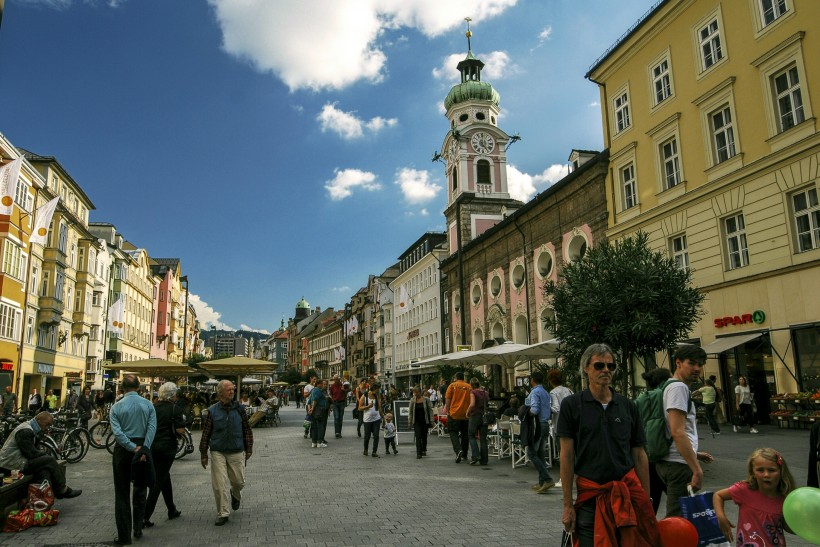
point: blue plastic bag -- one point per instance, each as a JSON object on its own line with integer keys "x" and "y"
{"x": 699, "y": 510}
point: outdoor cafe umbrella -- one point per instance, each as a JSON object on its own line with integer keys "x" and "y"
{"x": 237, "y": 367}
{"x": 510, "y": 354}
{"x": 153, "y": 368}
{"x": 251, "y": 380}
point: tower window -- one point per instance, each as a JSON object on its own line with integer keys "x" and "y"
{"x": 455, "y": 178}
{"x": 463, "y": 118}
{"x": 483, "y": 172}
{"x": 479, "y": 115}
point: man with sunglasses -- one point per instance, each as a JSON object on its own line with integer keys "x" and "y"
{"x": 602, "y": 453}
{"x": 681, "y": 467}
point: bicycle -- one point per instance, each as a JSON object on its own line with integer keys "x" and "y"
{"x": 99, "y": 432}
{"x": 185, "y": 444}
{"x": 63, "y": 443}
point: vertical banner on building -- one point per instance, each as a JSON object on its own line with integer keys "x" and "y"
{"x": 116, "y": 316}
{"x": 403, "y": 299}
{"x": 9, "y": 175}
{"x": 42, "y": 218}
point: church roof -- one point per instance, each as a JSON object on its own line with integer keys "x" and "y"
{"x": 472, "y": 90}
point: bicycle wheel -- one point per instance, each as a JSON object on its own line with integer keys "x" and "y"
{"x": 110, "y": 442}
{"x": 75, "y": 447}
{"x": 182, "y": 445}
{"x": 98, "y": 433}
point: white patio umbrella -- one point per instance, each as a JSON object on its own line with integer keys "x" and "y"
{"x": 510, "y": 354}
{"x": 251, "y": 380}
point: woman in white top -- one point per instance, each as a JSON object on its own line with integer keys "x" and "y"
{"x": 369, "y": 405}
{"x": 743, "y": 404}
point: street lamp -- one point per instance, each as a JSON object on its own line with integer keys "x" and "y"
{"x": 184, "y": 279}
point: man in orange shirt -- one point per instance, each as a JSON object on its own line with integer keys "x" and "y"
{"x": 458, "y": 400}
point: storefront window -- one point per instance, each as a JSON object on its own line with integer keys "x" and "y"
{"x": 807, "y": 356}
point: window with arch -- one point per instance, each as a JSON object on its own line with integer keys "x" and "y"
{"x": 483, "y": 172}
{"x": 495, "y": 285}
{"x": 455, "y": 178}
{"x": 544, "y": 264}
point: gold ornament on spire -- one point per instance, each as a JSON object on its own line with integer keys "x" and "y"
{"x": 469, "y": 34}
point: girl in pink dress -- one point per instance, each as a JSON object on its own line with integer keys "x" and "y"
{"x": 760, "y": 499}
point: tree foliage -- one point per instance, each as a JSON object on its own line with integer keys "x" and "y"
{"x": 626, "y": 295}
{"x": 291, "y": 376}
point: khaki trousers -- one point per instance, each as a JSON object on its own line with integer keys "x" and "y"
{"x": 227, "y": 475}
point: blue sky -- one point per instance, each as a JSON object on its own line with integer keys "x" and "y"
{"x": 282, "y": 148}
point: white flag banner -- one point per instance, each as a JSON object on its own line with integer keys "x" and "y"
{"x": 9, "y": 176}
{"x": 341, "y": 353}
{"x": 403, "y": 299}
{"x": 42, "y": 218}
{"x": 116, "y": 316}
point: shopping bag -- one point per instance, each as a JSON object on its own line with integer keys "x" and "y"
{"x": 17, "y": 521}
{"x": 40, "y": 496}
{"x": 698, "y": 509}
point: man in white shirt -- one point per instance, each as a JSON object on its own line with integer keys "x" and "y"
{"x": 432, "y": 393}
{"x": 681, "y": 468}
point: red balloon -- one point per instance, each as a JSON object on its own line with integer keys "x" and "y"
{"x": 677, "y": 532}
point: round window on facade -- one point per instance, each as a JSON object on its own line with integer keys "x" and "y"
{"x": 577, "y": 248}
{"x": 492, "y": 119}
{"x": 495, "y": 285}
{"x": 480, "y": 116}
{"x": 544, "y": 264}
{"x": 463, "y": 118}
{"x": 476, "y": 294}
{"x": 518, "y": 276}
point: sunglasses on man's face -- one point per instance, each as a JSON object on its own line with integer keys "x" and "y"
{"x": 600, "y": 366}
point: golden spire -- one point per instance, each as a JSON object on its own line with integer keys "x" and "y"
{"x": 468, "y": 33}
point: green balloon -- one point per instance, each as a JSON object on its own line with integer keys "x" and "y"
{"x": 802, "y": 513}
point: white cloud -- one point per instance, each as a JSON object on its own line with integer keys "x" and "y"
{"x": 243, "y": 326}
{"x": 594, "y": 104}
{"x": 318, "y": 44}
{"x": 342, "y": 289}
{"x": 523, "y": 186}
{"x": 65, "y": 4}
{"x": 345, "y": 180}
{"x": 424, "y": 213}
{"x": 545, "y": 34}
{"x": 349, "y": 126}
{"x": 497, "y": 65}
{"x": 416, "y": 185}
{"x": 206, "y": 315}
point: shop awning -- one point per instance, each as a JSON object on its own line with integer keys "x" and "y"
{"x": 722, "y": 344}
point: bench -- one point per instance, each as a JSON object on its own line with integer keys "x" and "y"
{"x": 11, "y": 494}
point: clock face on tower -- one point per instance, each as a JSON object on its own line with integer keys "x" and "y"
{"x": 452, "y": 152}
{"x": 482, "y": 143}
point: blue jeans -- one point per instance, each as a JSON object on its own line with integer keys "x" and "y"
{"x": 475, "y": 426}
{"x": 338, "y": 416}
{"x": 538, "y": 453}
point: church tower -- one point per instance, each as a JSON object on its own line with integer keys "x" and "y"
{"x": 476, "y": 157}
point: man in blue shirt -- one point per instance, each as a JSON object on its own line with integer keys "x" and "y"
{"x": 134, "y": 423}
{"x": 539, "y": 403}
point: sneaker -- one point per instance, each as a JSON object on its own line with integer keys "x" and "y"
{"x": 734, "y": 428}
{"x": 473, "y": 462}
{"x": 322, "y": 445}
{"x": 395, "y": 452}
{"x": 71, "y": 493}
{"x": 537, "y": 486}
{"x": 459, "y": 457}
{"x": 235, "y": 502}
{"x": 375, "y": 455}
{"x": 313, "y": 445}
{"x": 558, "y": 484}
{"x": 753, "y": 430}
{"x": 546, "y": 486}
{"x": 365, "y": 452}
{"x": 220, "y": 521}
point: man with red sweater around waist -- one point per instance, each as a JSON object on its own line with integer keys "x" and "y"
{"x": 602, "y": 448}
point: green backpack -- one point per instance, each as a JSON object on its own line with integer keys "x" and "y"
{"x": 650, "y": 408}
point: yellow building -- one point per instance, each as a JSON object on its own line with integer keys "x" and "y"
{"x": 56, "y": 341}
{"x": 708, "y": 112}
{"x": 15, "y": 230}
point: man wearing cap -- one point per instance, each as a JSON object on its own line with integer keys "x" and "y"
{"x": 338, "y": 396}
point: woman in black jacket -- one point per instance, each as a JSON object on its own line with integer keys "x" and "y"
{"x": 84, "y": 407}
{"x": 170, "y": 424}
{"x": 420, "y": 419}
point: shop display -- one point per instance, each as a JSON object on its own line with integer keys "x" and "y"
{"x": 796, "y": 410}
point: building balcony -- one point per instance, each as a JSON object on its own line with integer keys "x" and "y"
{"x": 85, "y": 277}
{"x": 80, "y": 328}
{"x": 49, "y": 304}
{"x": 52, "y": 255}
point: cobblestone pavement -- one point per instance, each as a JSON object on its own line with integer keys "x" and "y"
{"x": 298, "y": 495}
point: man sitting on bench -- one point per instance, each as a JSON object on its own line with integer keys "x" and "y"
{"x": 269, "y": 403}
{"x": 19, "y": 452}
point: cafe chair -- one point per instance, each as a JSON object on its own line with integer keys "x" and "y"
{"x": 518, "y": 453}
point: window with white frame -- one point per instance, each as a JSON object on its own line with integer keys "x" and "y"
{"x": 710, "y": 44}
{"x": 14, "y": 260}
{"x": 670, "y": 160}
{"x": 63, "y": 239}
{"x": 46, "y": 286}
{"x": 680, "y": 252}
{"x": 35, "y": 278}
{"x": 772, "y": 10}
{"x": 22, "y": 196}
{"x": 10, "y": 318}
{"x": 622, "y": 118}
{"x": 789, "y": 98}
{"x": 59, "y": 286}
{"x": 806, "y": 219}
{"x": 736, "y": 246}
{"x": 723, "y": 133}
{"x": 661, "y": 82}
{"x": 629, "y": 186}
{"x": 29, "y": 329}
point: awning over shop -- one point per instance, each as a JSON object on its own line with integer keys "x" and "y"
{"x": 723, "y": 344}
